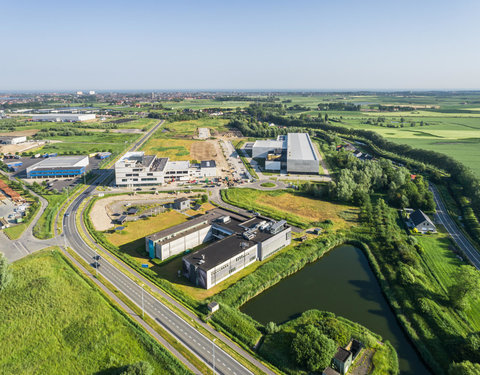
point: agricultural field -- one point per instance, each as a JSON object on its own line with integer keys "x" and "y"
{"x": 62, "y": 324}
{"x": 296, "y": 208}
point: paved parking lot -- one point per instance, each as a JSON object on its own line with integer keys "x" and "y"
{"x": 56, "y": 183}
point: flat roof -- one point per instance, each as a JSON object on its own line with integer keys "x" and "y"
{"x": 208, "y": 164}
{"x": 209, "y": 217}
{"x": 60, "y": 162}
{"x": 269, "y": 143}
{"x": 300, "y": 147}
{"x": 219, "y": 251}
{"x": 177, "y": 165}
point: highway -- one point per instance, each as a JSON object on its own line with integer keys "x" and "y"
{"x": 462, "y": 242}
{"x": 195, "y": 341}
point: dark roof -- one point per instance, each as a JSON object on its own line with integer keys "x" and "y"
{"x": 208, "y": 217}
{"x": 159, "y": 164}
{"x": 121, "y": 219}
{"x": 208, "y": 164}
{"x": 181, "y": 200}
{"x": 419, "y": 217}
{"x": 219, "y": 251}
{"x": 342, "y": 354}
{"x": 330, "y": 371}
{"x": 132, "y": 210}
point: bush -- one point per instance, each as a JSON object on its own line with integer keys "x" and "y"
{"x": 139, "y": 368}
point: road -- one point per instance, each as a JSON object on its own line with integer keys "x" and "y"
{"x": 462, "y": 242}
{"x": 184, "y": 332}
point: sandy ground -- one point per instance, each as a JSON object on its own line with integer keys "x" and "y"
{"x": 27, "y": 133}
{"x": 100, "y": 215}
{"x": 209, "y": 150}
{"x": 11, "y": 149}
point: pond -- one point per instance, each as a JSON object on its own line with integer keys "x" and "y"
{"x": 343, "y": 283}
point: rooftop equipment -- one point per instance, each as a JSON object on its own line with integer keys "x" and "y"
{"x": 277, "y": 227}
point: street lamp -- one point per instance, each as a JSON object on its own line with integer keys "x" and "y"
{"x": 213, "y": 351}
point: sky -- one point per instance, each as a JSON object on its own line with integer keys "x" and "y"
{"x": 247, "y": 45}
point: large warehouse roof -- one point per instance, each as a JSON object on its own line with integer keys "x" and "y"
{"x": 269, "y": 143}
{"x": 300, "y": 147}
{"x": 62, "y": 162}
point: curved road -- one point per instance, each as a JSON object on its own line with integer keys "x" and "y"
{"x": 462, "y": 242}
{"x": 184, "y": 332}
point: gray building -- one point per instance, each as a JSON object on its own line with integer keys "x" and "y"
{"x": 237, "y": 241}
{"x": 181, "y": 204}
{"x": 342, "y": 360}
{"x": 421, "y": 222}
{"x": 293, "y": 152}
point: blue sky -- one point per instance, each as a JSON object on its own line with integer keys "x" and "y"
{"x": 335, "y": 44}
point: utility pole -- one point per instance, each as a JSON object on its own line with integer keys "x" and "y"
{"x": 213, "y": 351}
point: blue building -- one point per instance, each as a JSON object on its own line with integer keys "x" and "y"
{"x": 61, "y": 166}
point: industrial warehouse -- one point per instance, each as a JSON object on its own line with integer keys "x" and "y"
{"x": 56, "y": 117}
{"x": 136, "y": 168}
{"x": 59, "y": 166}
{"x": 12, "y": 140}
{"x": 237, "y": 242}
{"x": 294, "y": 153}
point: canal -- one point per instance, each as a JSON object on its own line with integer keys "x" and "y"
{"x": 343, "y": 283}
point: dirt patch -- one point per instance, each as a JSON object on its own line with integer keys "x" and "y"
{"x": 27, "y": 133}
{"x": 203, "y": 150}
{"x": 100, "y": 214}
{"x": 11, "y": 149}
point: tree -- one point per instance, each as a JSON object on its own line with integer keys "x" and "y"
{"x": 5, "y": 273}
{"x": 139, "y": 368}
{"x": 312, "y": 349}
{"x": 466, "y": 287}
{"x": 464, "y": 368}
{"x": 271, "y": 327}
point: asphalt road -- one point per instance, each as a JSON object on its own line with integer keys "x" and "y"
{"x": 462, "y": 242}
{"x": 195, "y": 341}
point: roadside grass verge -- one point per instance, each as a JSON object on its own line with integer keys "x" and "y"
{"x": 48, "y": 294}
{"x": 44, "y": 228}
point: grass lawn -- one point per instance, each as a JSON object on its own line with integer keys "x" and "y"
{"x": 131, "y": 240}
{"x": 302, "y": 210}
{"x": 55, "y": 322}
{"x": 189, "y": 128}
{"x": 443, "y": 262}
{"x": 44, "y": 227}
{"x": 268, "y": 184}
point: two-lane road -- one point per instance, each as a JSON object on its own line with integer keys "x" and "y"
{"x": 184, "y": 332}
{"x": 462, "y": 242}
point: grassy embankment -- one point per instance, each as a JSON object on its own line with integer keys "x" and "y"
{"x": 175, "y": 139}
{"x": 297, "y": 209}
{"x": 51, "y": 330}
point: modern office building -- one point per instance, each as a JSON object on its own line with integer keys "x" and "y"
{"x": 59, "y": 166}
{"x": 136, "y": 168}
{"x": 12, "y": 140}
{"x": 294, "y": 153}
{"x": 236, "y": 242}
{"x": 62, "y": 117}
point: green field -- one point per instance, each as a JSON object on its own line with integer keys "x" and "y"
{"x": 443, "y": 263}
{"x": 55, "y": 322}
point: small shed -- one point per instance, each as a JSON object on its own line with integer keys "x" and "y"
{"x": 343, "y": 360}
{"x": 213, "y": 306}
{"x": 181, "y": 204}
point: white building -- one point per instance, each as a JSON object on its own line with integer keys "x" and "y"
{"x": 12, "y": 140}
{"x": 54, "y": 117}
{"x": 294, "y": 152}
{"x": 136, "y": 168}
